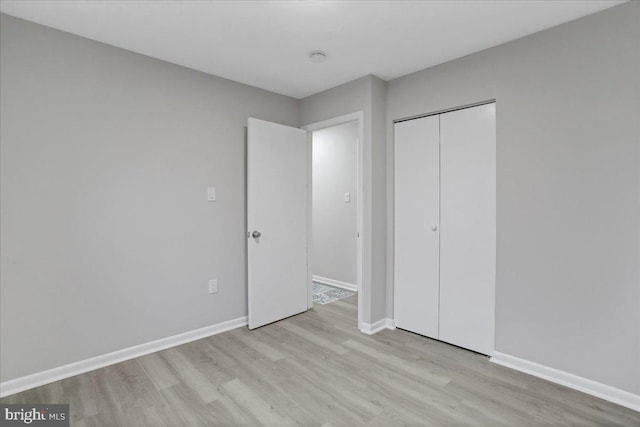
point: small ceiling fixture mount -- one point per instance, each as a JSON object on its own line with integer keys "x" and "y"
{"x": 317, "y": 56}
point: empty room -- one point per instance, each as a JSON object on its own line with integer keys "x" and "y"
{"x": 320, "y": 213}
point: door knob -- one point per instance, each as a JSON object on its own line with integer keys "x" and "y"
{"x": 434, "y": 228}
{"x": 255, "y": 234}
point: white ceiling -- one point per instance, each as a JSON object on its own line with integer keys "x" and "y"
{"x": 267, "y": 43}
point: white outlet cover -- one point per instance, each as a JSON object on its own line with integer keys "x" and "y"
{"x": 347, "y": 197}
{"x": 211, "y": 194}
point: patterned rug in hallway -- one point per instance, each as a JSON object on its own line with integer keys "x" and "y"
{"x": 323, "y": 294}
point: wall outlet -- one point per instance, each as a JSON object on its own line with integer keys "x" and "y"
{"x": 211, "y": 194}
{"x": 213, "y": 286}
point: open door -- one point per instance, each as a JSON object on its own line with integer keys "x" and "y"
{"x": 278, "y": 194}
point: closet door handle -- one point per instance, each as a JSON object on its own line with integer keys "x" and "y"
{"x": 434, "y": 228}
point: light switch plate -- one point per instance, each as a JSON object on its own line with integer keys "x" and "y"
{"x": 347, "y": 197}
{"x": 211, "y": 194}
{"x": 213, "y": 286}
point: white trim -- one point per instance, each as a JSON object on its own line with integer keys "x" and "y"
{"x": 363, "y": 263}
{"x": 336, "y": 283}
{"x": 61, "y": 372}
{"x": 309, "y": 220}
{"x": 391, "y": 324}
{"x": 345, "y": 118}
{"x": 603, "y": 391}
{"x": 374, "y": 328}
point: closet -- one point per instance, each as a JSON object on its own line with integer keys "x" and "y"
{"x": 445, "y": 226}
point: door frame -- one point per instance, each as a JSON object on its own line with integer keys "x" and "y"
{"x": 363, "y": 288}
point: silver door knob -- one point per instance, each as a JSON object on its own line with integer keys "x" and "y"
{"x": 255, "y": 234}
{"x": 434, "y": 228}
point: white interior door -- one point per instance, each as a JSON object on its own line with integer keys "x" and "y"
{"x": 277, "y": 218}
{"x": 468, "y": 227}
{"x": 417, "y": 218}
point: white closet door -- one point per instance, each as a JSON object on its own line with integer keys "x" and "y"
{"x": 416, "y": 225}
{"x": 468, "y": 228}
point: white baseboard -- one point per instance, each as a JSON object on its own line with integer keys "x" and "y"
{"x": 338, "y": 284}
{"x": 374, "y": 328}
{"x": 603, "y": 391}
{"x": 390, "y": 323}
{"x": 45, "y": 377}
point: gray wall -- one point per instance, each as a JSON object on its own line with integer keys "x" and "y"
{"x": 107, "y": 238}
{"x": 335, "y": 159}
{"x": 366, "y": 94}
{"x": 85, "y": 192}
{"x": 568, "y": 229}
{"x": 379, "y": 199}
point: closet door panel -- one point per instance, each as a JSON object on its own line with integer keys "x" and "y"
{"x": 416, "y": 255}
{"x": 468, "y": 228}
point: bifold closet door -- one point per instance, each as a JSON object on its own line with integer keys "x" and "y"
{"x": 417, "y": 172}
{"x": 468, "y": 227}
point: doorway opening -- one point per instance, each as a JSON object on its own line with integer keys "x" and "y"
{"x": 336, "y": 210}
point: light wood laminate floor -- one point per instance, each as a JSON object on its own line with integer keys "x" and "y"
{"x": 317, "y": 369}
